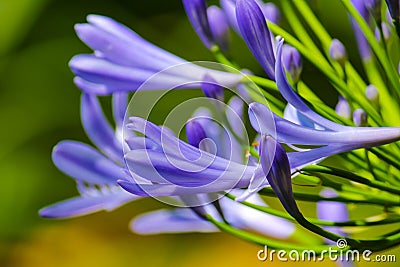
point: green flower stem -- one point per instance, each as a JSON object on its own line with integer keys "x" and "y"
{"x": 297, "y": 27}
{"x": 325, "y": 38}
{"x": 282, "y": 214}
{"x": 385, "y": 157}
{"x": 376, "y": 47}
{"x": 340, "y": 198}
{"x": 389, "y": 104}
{"x": 221, "y": 58}
{"x": 351, "y": 176}
{"x": 313, "y": 22}
{"x": 262, "y": 240}
{"x": 263, "y": 82}
{"x": 324, "y": 66}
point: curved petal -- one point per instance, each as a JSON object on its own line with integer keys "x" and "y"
{"x": 253, "y": 27}
{"x": 84, "y": 163}
{"x": 98, "y": 129}
{"x": 291, "y": 97}
{"x": 82, "y": 205}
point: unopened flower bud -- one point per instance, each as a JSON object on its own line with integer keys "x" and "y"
{"x": 219, "y": 26}
{"x": 195, "y": 133}
{"x": 372, "y": 94}
{"x": 337, "y": 51}
{"x": 212, "y": 89}
{"x": 343, "y": 108}
{"x": 360, "y": 117}
{"x": 292, "y": 62}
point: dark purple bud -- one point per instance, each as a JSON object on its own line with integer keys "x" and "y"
{"x": 337, "y": 51}
{"x": 219, "y": 26}
{"x": 360, "y": 118}
{"x": 292, "y": 61}
{"x": 271, "y": 12}
{"x": 195, "y": 133}
{"x": 393, "y": 6}
{"x": 343, "y": 108}
{"x": 254, "y": 30}
{"x": 212, "y": 89}
{"x": 196, "y": 11}
{"x": 275, "y": 164}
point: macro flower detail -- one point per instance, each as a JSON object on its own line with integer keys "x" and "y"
{"x": 123, "y": 61}
{"x": 232, "y": 141}
{"x": 252, "y": 25}
{"x": 96, "y": 174}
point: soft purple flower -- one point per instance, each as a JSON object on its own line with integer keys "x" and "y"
{"x": 212, "y": 89}
{"x": 372, "y": 94}
{"x": 256, "y": 34}
{"x": 219, "y": 26}
{"x": 343, "y": 108}
{"x": 196, "y": 11}
{"x": 229, "y": 8}
{"x": 96, "y": 174}
{"x": 337, "y": 51}
{"x": 123, "y": 61}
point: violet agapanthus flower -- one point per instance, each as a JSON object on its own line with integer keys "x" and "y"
{"x": 96, "y": 171}
{"x": 123, "y": 61}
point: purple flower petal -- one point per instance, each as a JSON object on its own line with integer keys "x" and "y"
{"x": 255, "y": 32}
{"x": 84, "y": 163}
{"x": 196, "y": 11}
{"x": 84, "y": 205}
{"x": 98, "y": 129}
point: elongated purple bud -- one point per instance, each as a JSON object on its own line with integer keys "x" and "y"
{"x": 254, "y": 30}
{"x": 292, "y": 61}
{"x": 212, "y": 89}
{"x": 277, "y": 169}
{"x": 337, "y": 51}
{"x": 195, "y": 133}
{"x": 271, "y": 12}
{"x": 343, "y": 108}
{"x": 360, "y": 118}
{"x": 219, "y": 26}
{"x": 196, "y": 11}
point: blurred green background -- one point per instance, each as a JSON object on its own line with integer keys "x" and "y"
{"x": 39, "y": 106}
